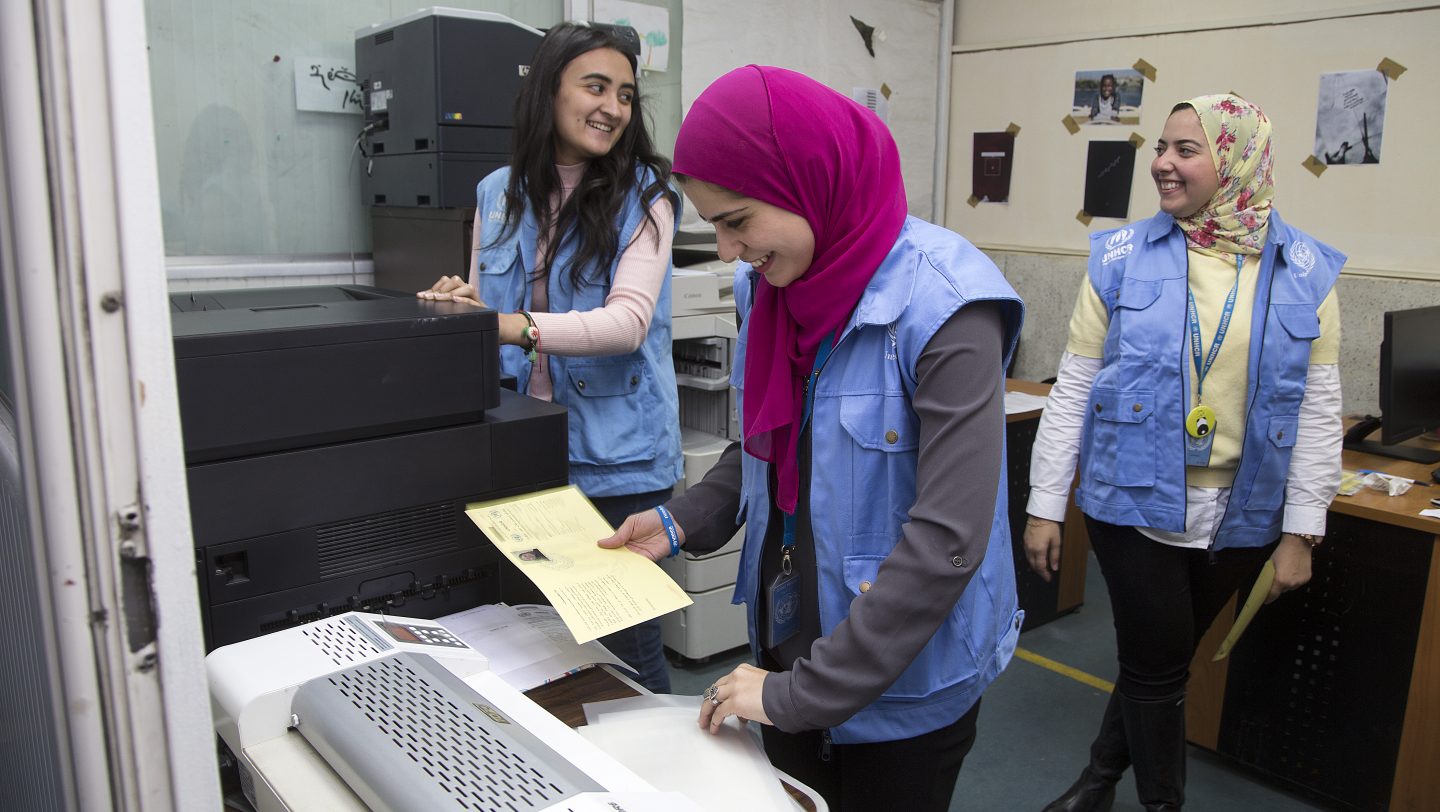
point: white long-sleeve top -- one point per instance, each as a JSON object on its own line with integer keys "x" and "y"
{"x": 1313, "y": 479}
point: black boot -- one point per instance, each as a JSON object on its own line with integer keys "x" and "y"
{"x": 1156, "y": 732}
{"x": 1094, "y": 790}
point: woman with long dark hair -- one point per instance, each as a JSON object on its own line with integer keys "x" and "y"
{"x": 572, "y": 246}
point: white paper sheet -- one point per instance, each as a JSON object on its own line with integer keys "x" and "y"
{"x": 1017, "y": 402}
{"x": 527, "y": 645}
{"x": 722, "y": 772}
{"x": 625, "y": 802}
{"x": 326, "y": 86}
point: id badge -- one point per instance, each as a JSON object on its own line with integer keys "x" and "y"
{"x": 782, "y": 603}
{"x": 1197, "y": 450}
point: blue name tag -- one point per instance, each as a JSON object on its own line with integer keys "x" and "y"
{"x": 1197, "y": 450}
{"x": 782, "y": 602}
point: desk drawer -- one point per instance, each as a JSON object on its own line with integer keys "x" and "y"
{"x": 699, "y": 574}
{"x": 710, "y": 625}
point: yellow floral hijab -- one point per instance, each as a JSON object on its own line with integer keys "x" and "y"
{"x": 1234, "y": 220}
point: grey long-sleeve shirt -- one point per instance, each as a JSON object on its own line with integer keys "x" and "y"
{"x": 822, "y": 681}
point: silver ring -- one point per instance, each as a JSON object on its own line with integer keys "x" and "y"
{"x": 711, "y": 694}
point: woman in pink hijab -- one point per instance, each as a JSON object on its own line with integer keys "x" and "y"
{"x": 876, "y": 571}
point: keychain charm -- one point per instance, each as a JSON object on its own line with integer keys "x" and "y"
{"x": 1200, "y": 422}
{"x": 1199, "y": 436}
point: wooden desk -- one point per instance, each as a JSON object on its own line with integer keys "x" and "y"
{"x": 1042, "y": 602}
{"x": 1335, "y": 689}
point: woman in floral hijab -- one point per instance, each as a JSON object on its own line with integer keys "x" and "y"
{"x": 1234, "y": 221}
{"x": 1200, "y": 456}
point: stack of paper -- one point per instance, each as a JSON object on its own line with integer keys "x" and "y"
{"x": 527, "y": 645}
{"x": 1017, "y": 402}
{"x": 721, "y": 772}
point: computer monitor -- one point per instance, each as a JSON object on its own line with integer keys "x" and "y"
{"x": 1409, "y": 387}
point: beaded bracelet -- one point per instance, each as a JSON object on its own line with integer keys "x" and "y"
{"x": 532, "y": 334}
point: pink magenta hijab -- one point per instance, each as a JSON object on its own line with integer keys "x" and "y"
{"x": 782, "y": 138}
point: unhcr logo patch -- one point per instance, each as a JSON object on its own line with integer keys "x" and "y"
{"x": 1302, "y": 257}
{"x": 1118, "y": 245}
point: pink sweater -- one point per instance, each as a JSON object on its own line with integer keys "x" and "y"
{"x": 621, "y": 324}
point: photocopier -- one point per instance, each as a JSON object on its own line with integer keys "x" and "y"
{"x": 364, "y": 711}
{"x": 333, "y": 436}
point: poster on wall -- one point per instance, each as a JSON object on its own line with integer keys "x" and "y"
{"x": 1108, "y": 170}
{"x": 652, "y": 23}
{"x": 1107, "y": 96}
{"x": 990, "y": 178}
{"x": 1350, "y": 118}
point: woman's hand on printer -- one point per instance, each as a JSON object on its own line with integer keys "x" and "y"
{"x": 645, "y": 534}
{"x": 514, "y": 327}
{"x": 452, "y": 289}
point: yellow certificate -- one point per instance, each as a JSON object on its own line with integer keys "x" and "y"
{"x": 550, "y": 535}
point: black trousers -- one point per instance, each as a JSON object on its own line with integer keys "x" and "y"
{"x": 915, "y": 775}
{"x": 1164, "y": 598}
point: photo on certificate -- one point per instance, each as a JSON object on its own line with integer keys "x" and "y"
{"x": 1350, "y": 118}
{"x": 1107, "y": 96}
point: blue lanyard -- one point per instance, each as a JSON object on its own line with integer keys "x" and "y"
{"x": 788, "y": 540}
{"x": 1202, "y": 369}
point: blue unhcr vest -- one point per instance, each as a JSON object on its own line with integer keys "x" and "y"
{"x": 624, "y": 425}
{"x": 1132, "y": 455}
{"x": 858, "y": 504}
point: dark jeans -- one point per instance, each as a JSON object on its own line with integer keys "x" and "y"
{"x": 639, "y": 646}
{"x": 914, "y": 775}
{"x": 1163, "y": 599}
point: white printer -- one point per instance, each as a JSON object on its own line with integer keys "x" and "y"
{"x": 362, "y": 711}
{"x": 704, "y": 330}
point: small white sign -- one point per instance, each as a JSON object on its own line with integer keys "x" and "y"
{"x": 874, "y": 100}
{"x": 326, "y": 86}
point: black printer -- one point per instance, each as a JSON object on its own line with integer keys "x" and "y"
{"x": 333, "y": 436}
